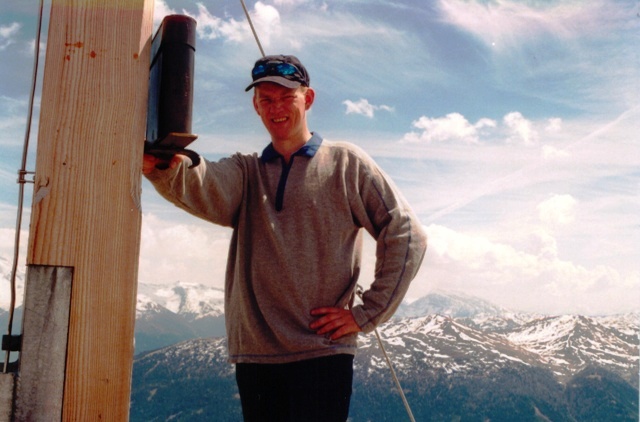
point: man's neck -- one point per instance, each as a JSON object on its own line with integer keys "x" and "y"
{"x": 288, "y": 147}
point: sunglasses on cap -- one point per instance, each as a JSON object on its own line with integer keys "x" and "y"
{"x": 274, "y": 69}
{"x": 280, "y": 69}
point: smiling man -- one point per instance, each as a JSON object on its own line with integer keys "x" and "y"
{"x": 298, "y": 212}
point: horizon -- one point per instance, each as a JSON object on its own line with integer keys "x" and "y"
{"x": 164, "y": 294}
{"x": 511, "y": 128}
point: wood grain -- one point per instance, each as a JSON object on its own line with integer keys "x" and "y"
{"x": 86, "y": 207}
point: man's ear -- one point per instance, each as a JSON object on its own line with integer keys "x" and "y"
{"x": 255, "y": 104}
{"x": 309, "y": 97}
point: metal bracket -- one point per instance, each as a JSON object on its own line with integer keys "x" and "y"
{"x": 22, "y": 177}
{"x": 172, "y": 144}
{"x": 12, "y": 343}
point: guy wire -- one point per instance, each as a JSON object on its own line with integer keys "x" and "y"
{"x": 360, "y": 292}
{"x": 255, "y": 35}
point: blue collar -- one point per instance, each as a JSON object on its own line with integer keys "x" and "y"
{"x": 307, "y": 150}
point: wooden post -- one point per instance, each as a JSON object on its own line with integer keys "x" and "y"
{"x": 86, "y": 208}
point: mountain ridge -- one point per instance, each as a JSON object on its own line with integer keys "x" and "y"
{"x": 458, "y": 358}
{"x": 481, "y": 362}
{"x": 448, "y": 372}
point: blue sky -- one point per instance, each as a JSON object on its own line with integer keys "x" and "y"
{"x": 510, "y": 126}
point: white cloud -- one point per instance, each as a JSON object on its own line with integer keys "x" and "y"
{"x": 211, "y": 27}
{"x": 267, "y": 22}
{"x": 541, "y": 243}
{"x": 552, "y": 153}
{"x": 364, "y": 107}
{"x": 7, "y": 249}
{"x": 529, "y": 280}
{"x": 160, "y": 10}
{"x": 7, "y": 34}
{"x": 190, "y": 251}
{"x": 506, "y": 24}
{"x": 521, "y": 129}
{"x": 558, "y": 210}
{"x": 525, "y": 42}
{"x": 452, "y": 127}
{"x": 374, "y": 46}
{"x": 289, "y": 2}
{"x": 554, "y": 125}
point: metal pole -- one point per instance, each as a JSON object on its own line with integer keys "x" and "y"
{"x": 21, "y": 181}
{"x": 255, "y": 35}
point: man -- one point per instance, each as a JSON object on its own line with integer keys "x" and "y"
{"x": 297, "y": 211}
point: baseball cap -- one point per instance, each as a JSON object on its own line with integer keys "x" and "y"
{"x": 281, "y": 69}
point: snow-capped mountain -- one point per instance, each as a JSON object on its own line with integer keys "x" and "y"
{"x": 569, "y": 343}
{"x": 473, "y": 311}
{"x": 189, "y": 299}
{"x": 455, "y": 355}
{"x": 563, "y": 344}
{"x": 444, "y": 343}
{"x": 169, "y": 314}
{"x": 164, "y": 314}
{"x": 625, "y": 323}
{"x": 457, "y": 305}
{"x": 453, "y": 334}
{"x": 457, "y": 358}
{"x": 563, "y": 368}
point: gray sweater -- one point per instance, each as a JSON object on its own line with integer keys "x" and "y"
{"x": 297, "y": 243}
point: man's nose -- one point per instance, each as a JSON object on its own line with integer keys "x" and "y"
{"x": 276, "y": 104}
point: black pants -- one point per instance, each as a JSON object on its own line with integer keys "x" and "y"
{"x": 305, "y": 391}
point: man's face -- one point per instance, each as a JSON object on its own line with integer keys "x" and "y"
{"x": 283, "y": 110}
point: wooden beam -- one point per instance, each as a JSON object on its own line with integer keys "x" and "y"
{"x": 86, "y": 207}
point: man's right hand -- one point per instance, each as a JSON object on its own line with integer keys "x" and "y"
{"x": 151, "y": 162}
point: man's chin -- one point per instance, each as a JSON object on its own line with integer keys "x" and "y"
{"x": 278, "y": 132}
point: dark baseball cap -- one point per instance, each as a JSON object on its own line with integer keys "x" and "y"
{"x": 284, "y": 70}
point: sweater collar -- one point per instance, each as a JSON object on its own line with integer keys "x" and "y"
{"x": 307, "y": 150}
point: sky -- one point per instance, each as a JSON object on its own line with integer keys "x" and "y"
{"x": 511, "y": 127}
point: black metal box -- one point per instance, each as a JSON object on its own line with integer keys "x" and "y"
{"x": 171, "y": 85}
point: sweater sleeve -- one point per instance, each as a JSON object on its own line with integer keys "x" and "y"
{"x": 212, "y": 190}
{"x": 400, "y": 244}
